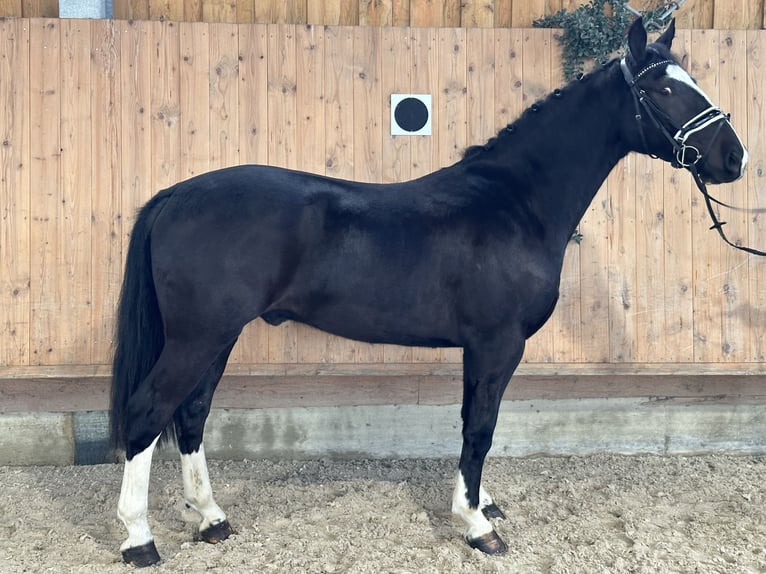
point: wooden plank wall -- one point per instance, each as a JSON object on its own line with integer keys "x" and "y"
{"x": 96, "y": 116}
{"x": 702, "y": 14}
{"x": 719, "y": 14}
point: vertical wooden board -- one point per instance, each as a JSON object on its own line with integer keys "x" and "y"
{"x": 339, "y": 136}
{"x": 281, "y": 96}
{"x": 650, "y": 264}
{"x": 696, "y": 14}
{"x": 708, "y": 281}
{"x": 130, "y": 9}
{"x": 166, "y": 10}
{"x": 733, "y": 69}
{"x": 400, "y": 16}
{"x": 194, "y": 98}
{"x": 451, "y": 100}
{"x": 480, "y": 85}
{"x": 282, "y": 150}
{"x": 536, "y": 80}
{"x": 508, "y": 76}
{"x": 477, "y": 14}
{"x": 45, "y": 186}
{"x": 421, "y": 13}
{"x": 224, "y": 100}
{"x": 450, "y": 14}
{"x": 15, "y": 208}
{"x": 71, "y": 329}
{"x": 220, "y": 11}
{"x": 289, "y": 12}
{"x": 253, "y": 344}
{"x": 736, "y": 14}
{"x": 40, "y": 8}
{"x": 756, "y": 193}
{"x": 368, "y": 133}
{"x": 192, "y": 10}
{"x": 310, "y": 95}
{"x": 396, "y": 77}
{"x": 310, "y": 120}
{"x": 451, "y": 127}
{"x": 503, "y": 13}
{"x": 333, "y": 13}
{"x": 165, "y": 104}
{"x": 524, "y": 12}
{"x": 368, "y": 115}
{"x": 679, "y": 267}
{"x": 106, "y": 151}
{"x": 245, "y": 12}
{"x": 594, "y": 280}
{"x": 11, "y": 9}
{"x": 375, "y": 12}
{"x": 621, "y": 230}
{"x": 423, "y": 149}
{"x": 135, "y": 119}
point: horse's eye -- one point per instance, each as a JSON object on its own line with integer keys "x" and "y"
{"x": 667, "y": 91}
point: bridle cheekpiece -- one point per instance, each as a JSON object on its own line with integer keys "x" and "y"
{"x": 685, "y": 155}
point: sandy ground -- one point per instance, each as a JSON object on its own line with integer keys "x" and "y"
{"x": 580, "y": 515}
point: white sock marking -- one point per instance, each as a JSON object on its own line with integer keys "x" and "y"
{"x": 197, "y": 490}
{"x": 476, "y": 523}
{"x": 134, "y": 495}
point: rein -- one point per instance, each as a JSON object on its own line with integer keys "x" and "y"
{"x": 704, "y": 119}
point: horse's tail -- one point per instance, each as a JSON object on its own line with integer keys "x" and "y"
{"x": 139, "y": 334}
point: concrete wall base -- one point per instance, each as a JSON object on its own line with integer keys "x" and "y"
{"x": 542, "y": 427}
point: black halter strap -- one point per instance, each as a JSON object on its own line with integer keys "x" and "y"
{"x": 712, "y": 115}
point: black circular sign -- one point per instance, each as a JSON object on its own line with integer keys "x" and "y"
{"x": 411, "y": 114}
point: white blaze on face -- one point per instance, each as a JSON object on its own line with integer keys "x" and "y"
{"x": 197, "y": 490}
{"x": 476, "y": 523}
{"x": 132, "y": 506}
{"x": 677, "y": 73}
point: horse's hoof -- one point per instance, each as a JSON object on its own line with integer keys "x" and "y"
{"x": 217, "y": 532}
{"x": 489, "y": 543}
{"x": 141, "y": 556}
{"x": 493, "y": 511}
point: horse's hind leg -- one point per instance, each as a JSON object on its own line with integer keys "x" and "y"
{"x": 190, "y": 424}
{"x": 486, "y": 372}
{"x": 178, "y": 371}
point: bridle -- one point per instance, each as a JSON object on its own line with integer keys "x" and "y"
{"x": 685, "y": 155}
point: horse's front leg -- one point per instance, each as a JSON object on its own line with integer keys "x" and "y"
{"x": 486, "y": 372}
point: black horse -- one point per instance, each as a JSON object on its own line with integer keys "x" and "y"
{"x": 469, "y": 256}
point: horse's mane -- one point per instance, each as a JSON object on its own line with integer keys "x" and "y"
{"x": 552, "y": 98}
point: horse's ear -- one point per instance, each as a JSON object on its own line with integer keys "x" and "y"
{"x": 667, "y": 36}
{"x": 637, "y": 41}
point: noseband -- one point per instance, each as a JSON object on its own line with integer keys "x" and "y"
{"x": 686, "y": 156}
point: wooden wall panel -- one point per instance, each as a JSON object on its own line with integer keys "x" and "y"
{"x": 117, "y": 110}
{"x": 701, "y": 14}
{"x": 73, "y": 270}
{"x": 106, "y": 177}
{"x": 45, "y": 151}
{"x": 15, "y": 208}
{"x": 756, "y": 191}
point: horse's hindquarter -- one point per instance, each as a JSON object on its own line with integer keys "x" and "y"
{"x": 368, "y": 262}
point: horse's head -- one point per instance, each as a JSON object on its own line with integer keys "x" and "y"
{"x": 676, "y": 120}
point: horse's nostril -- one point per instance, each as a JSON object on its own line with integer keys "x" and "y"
{"x": 734, "y": 160}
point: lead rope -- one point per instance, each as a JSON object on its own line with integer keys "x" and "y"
{"x": 641, "y": 100}
{"x": 717, "y": 223}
